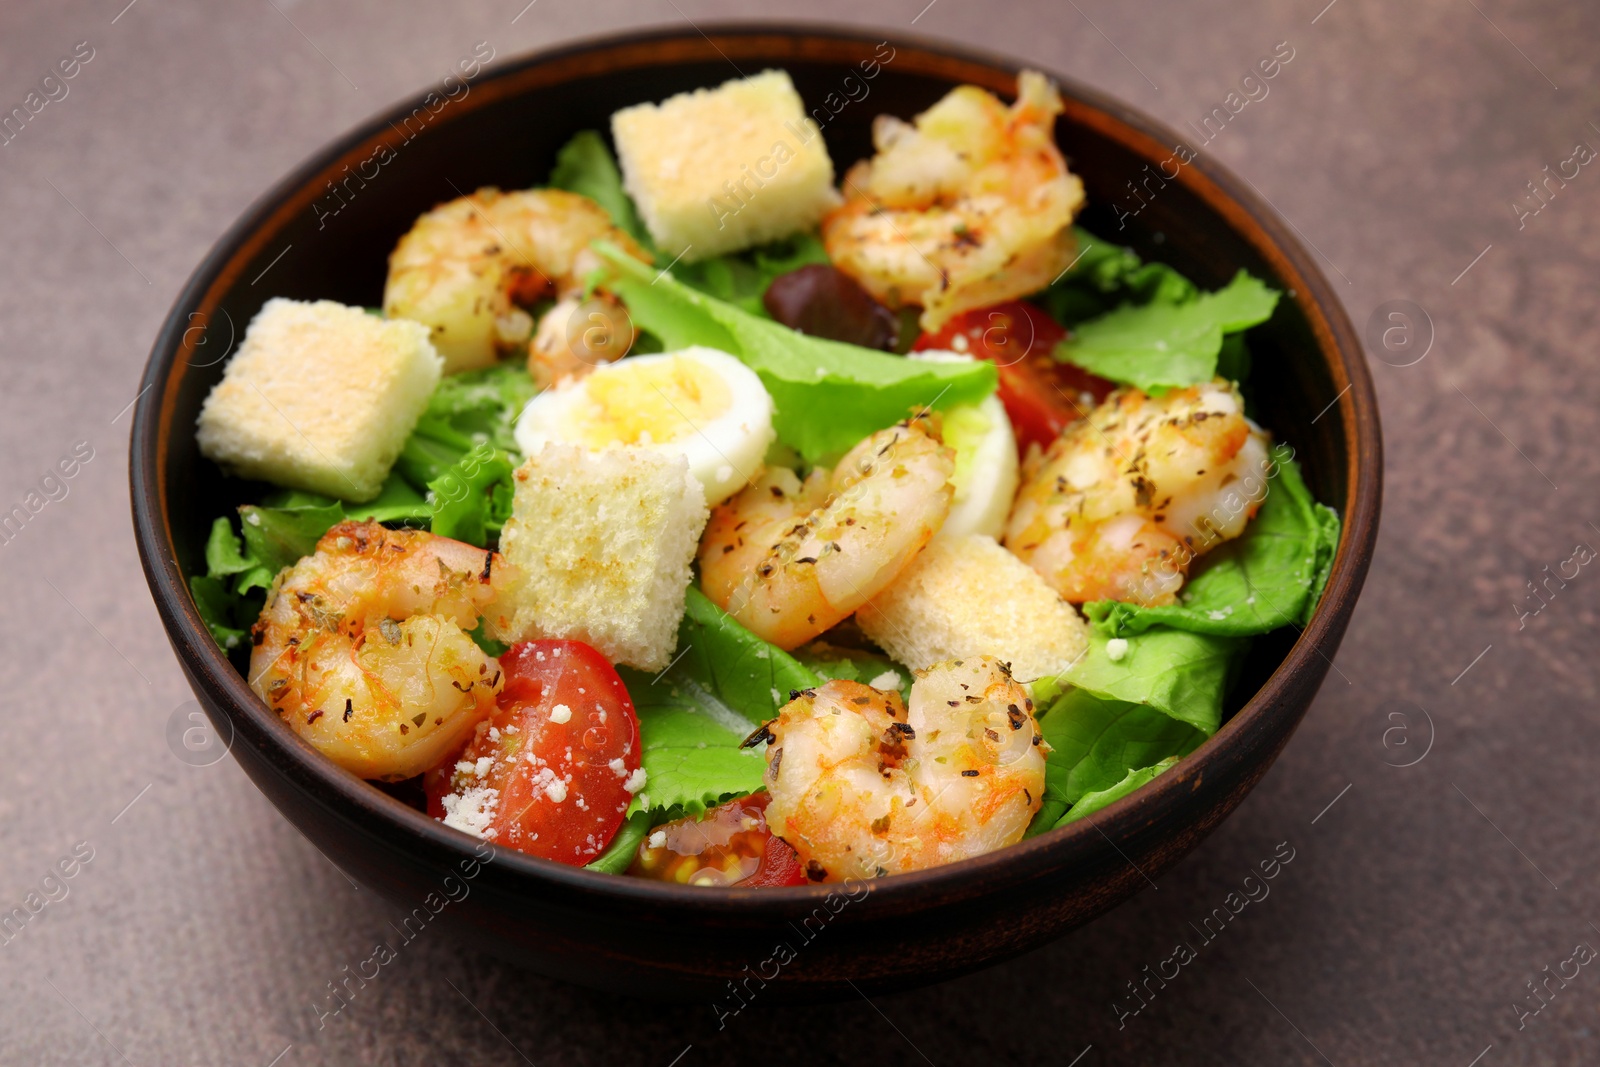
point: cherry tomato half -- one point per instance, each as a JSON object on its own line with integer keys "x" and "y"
{"x": 1042, "y": 395}
{"x": 550, "y": 772}
{"x": 729, "y": 845}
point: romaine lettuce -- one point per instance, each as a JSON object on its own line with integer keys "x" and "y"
{"x": 586, "y": 166}
{"x": 828, "y": 395}
{"x": 1131, "y": 783}
{"x": 1158, "y": 698}
{"x": 723, "y": 684}
{"x": 1094, "y": 741}
{"x": 1268, "y": 577}
{"x": 1181, "y": 674}
{"x": 1162, "y": 344}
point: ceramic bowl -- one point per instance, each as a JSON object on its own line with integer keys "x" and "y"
{"x": 326, "y": 230}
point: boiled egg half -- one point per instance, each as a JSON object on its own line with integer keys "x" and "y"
{"x": 699, "y": 403}
{"x": 985, "y": 478}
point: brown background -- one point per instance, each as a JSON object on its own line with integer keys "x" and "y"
{"x": 1416, "y": 907}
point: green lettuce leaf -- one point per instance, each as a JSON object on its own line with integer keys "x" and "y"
{"x": 741, "y": 278}
{"x": 1095, "y": 741}
{"x": 723, "y": 684}
{"x": 689, "y": 748}
{"x": 220, "y": 609}
{"x": 276, "y": 537}
{"x": 734, "y": 665}
{"x": 1158, "y": 699}
{"x": 828, "y": 395}
{"x": 1331, "y": 528}
{"x": 397, "y": 502}
{"x": 223, "y": 555}
{"x": 618, "y": 855}
{"x": 472, "y": 499}
{"x": 1134, "y": 781}
{"x": 465, "y": 411}
{"x": 1181, "y": 674}
{"x": 1106, "y": 275}
{"x": 462, "y": 453}
{"x": 586, "y": 166}
{"x": 828, "y": 662}
{"x": 1233, "y": 361}
{"x": 1257, "y": 582}
{"x": 1160, "y": 344}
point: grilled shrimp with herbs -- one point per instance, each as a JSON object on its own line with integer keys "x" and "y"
{"x": 970, "y": 206}
{"x": 471, "y": 268}
{"x": 862, "y": 787}
{"x": 364, "y": 650}
{"x": 789, "y": 559}
{"x": 1125, "y": 500}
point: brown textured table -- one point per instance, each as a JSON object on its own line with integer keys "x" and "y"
{"x": 1420, "y": 899}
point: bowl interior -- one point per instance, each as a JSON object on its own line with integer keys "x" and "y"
{"x": 325, "y": 233}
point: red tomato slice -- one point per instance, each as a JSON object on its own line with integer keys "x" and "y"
{"x": 556, "y": 757}
{"x": 1041, "y": 395}
{"x": 780, "y": 865}
{"x": 729, "y": 845}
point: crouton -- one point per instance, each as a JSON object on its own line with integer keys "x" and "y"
{"x": 321, "y": 397}
{"x": 966, "y": 596}
{"x": 718, "y": 170}
{"x": 602, "y": 542}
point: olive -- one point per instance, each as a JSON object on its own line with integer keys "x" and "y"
{"x": 823, "y": 301}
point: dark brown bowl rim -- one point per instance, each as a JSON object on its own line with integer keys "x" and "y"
{"x": 1231, "y": 197}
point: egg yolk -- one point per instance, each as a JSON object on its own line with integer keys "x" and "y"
{"x": 653, "y": 402}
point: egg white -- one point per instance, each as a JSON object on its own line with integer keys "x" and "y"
{"x": 986, "y": 475}
{"x": 724, "y": 445}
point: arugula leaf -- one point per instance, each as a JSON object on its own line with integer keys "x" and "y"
{"x": 725, "y": 682}
{"x": 586, "y": 166}
{"x": 618, "y": 855}
{"x": 828, "y": 395}
{"x": 1257, "y": 582}
{"x": 1161, "y": 344}
{"x": 1094, "y": 742}
{"x": 1182, "y": 674}
{"x": 1134, "y": 781}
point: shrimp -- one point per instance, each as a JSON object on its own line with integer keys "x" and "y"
{"x": 577, "y": 335}
{"x": 970, "y": 206}
{"x": 363, "y": 647}
{"x": 469, "y": 267}
{"x": 862, "y": 788}
{"x": 1123, "y": 501}
{"x": 790, "y": 559}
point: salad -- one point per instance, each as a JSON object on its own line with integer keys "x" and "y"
{"x": 702, "y": 517}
